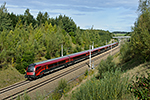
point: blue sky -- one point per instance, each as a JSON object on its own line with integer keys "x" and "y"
{"x": 112, "y": 15}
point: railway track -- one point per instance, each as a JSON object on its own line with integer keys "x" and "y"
{"x": 12, "y": 92}
{"x": 16, "y": 85}
{"x": 31, "y": 88}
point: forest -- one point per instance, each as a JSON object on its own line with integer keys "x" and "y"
{"x": 139, "y": 45}
{"x": 25, "y": 39}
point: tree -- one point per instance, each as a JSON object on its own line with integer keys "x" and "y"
{"x": 29, "y": 18}
{"x": 141, "y": 36}
{"x": 46, "y": 16}
{"x": 139, "y": 47}
{"x": 42, "y": 18}
{"x": 143, "y": 5}
{"x": 5, "y": 22}
{"x": 14, "y": 19}
{"x": 39, "y": 18}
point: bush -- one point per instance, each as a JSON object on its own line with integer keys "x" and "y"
{"x": 141, "y": 88}
{"x": 60, "y": 89}
{"x": 62, "y": 84}
{"x": 125, "y": 52}
{"x": 112, "y": 86}
{"x": 107, "y": 65}
{"x": 86, "y": 72}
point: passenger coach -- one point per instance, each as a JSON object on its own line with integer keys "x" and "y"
{"x": 38, "y": 69}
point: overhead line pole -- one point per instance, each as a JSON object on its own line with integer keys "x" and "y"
{"x": 93, "y": 45}
{"x": 62, "y": 50}
{"x": 111, "y": 47}
{"x": 90, "y": 57}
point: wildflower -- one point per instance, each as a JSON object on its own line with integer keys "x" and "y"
{"x": 77, "y": 80}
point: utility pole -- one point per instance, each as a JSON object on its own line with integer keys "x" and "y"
{"x": 93, "y": 45}
{"x": 62, "y": 50}
{"x": 111, "y": 47}
{"x": 90, "y": 57}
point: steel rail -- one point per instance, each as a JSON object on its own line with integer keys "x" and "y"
{"x": 40, "y": 84}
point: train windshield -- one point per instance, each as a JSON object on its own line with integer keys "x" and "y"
{"x": 30, "y": 69}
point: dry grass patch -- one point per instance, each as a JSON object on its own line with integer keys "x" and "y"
{"x": 139, "y": 70}
{"x": 9, "y": 76}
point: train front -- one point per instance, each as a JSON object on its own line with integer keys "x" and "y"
{"x": 30, "y": 72}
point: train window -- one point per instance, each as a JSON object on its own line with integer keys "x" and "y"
{"x": 61, "y": 62}
{"x": 83, "y": 56}
{"x": 75, "y": 58}
{"x": 95, "y": 51}
{"x": 37, "y": 68}
{"x": 30, "y": 69}
{"x": 103, "y": 49}
{"x": 54, "y": 64}
{"x": 50, "y": 65}
{"x": 78, "y": 57}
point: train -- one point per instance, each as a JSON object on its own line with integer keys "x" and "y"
{"x": 38, "y": 69}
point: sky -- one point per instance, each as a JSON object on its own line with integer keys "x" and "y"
{"x": 111, "y": 15}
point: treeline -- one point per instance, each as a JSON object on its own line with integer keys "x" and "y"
{"x": 118, "y": 32}
{"x": 139, "y": 46}
{"x": 123, "y": 33}
{"x": 24, "y": 39}
{"x": 10, "y": 20}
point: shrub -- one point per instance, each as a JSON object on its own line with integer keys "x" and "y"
{"x": 112, "y": 86}
{"x": 126, "y": 53}
{"x": 62, "y": 84}
{"x": 107, "y": 65}
{"x": 60, "y": 89}
{"x": 26, "y": 96}
{"x": 141, "y": 88}
{"x": 86, "y": 72}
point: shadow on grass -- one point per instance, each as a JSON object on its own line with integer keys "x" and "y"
{"x": 130, "y": 64}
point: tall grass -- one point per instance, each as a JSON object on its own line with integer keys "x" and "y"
{"x": 60, "y": 90}
{"x": 110, "y": 86}
{"x": 107, "y": 65}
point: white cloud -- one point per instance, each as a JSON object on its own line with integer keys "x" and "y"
{"x": 103, "y": 14}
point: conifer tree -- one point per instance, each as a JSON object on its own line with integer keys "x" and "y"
{"x": 140, "y": 40}
{"x": 5, "y": 22}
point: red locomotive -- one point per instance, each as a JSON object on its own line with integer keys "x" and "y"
{"x": 38, "y": 69}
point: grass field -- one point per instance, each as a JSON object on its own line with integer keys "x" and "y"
{"x": 9, "y": 76}
{"x": 119, "y": 34}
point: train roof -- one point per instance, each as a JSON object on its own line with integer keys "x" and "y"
{"x": 103, "y": 46}
{"x": 54, "y": 60}
{"x": 78, "y": 53}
